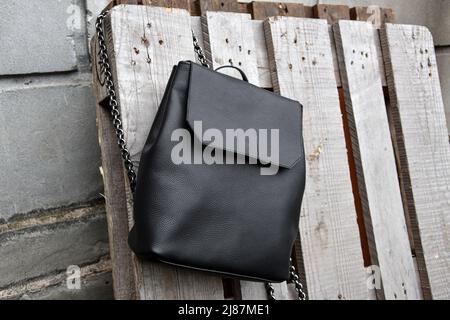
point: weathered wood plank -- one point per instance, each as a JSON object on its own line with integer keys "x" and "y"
{"x": 332, "y": 13}
{"x": 115, "y": 199}
{"x": 115, "y": 202}
{"x": 377, "y": 16}
{"x": 224, "y": 6}
{"x": 301, "y": 60}
{"x": 179, "y": 4}
{"x": 265, "y": 79}
{"x": 422, "y": 149}
{"x": 263, "y": 10}
{"x": 309, "y": 11}
{"x": 379, "y": 52}
{"x": 144, "y": 43}
{"x": 119, "y": 2}
{"x": 195, "y": 8}
{"x": 229, "y": 40}
{"x": 375, "y": 162}
{"x": 261, "y": 50}
{"x": 355, "y": 189}
{"x": 257, "y": 291}
{"x": 145, "y": 50}
{"x": 374, "y": 14}
{"x": 164, "y": 282}
{"x": 337, "y": 73}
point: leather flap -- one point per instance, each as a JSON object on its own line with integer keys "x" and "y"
{"x": 222, "y": 102}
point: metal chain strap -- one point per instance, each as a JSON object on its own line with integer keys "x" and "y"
{"x": 294, "y": 277}
{"x": 199, "y": 51}
{"x": 296, "y": 280}
{"x": 106, "y": 70}
{"x": 270, "y": 291}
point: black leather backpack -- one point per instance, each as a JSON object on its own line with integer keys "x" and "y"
{"x": 237, "y": 217}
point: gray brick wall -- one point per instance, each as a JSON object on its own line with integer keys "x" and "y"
{"x": 51, "y": 212}
{"x": 94, "y": 283}
{"x": 38, "y": 249}
{"x": 51, "y": 154}
{"x": 23, "y": 50}
{"x": 443, "y": 60}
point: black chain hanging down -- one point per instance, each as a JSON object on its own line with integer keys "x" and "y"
{"x": 296, "y": 280}
{"x": 106, "y": 70}
{"x": 199, "y": 51}
{"x": 270, "y": 291}
{"x": 294, "y": 277}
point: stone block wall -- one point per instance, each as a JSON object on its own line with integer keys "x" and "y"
{"x": 52, "y": 214}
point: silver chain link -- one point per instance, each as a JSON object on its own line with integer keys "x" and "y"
{"x": 199, "y": 51}
{"x": 106, "y": 71}
{"x": 270, "y": 291}
{"x": 296, "y": 280}
{"x": 294, "y": 277}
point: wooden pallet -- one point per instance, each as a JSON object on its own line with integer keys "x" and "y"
{"x": 355, "y": 213}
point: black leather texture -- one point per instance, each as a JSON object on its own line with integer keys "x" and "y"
{"x": 228, "y": 219}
